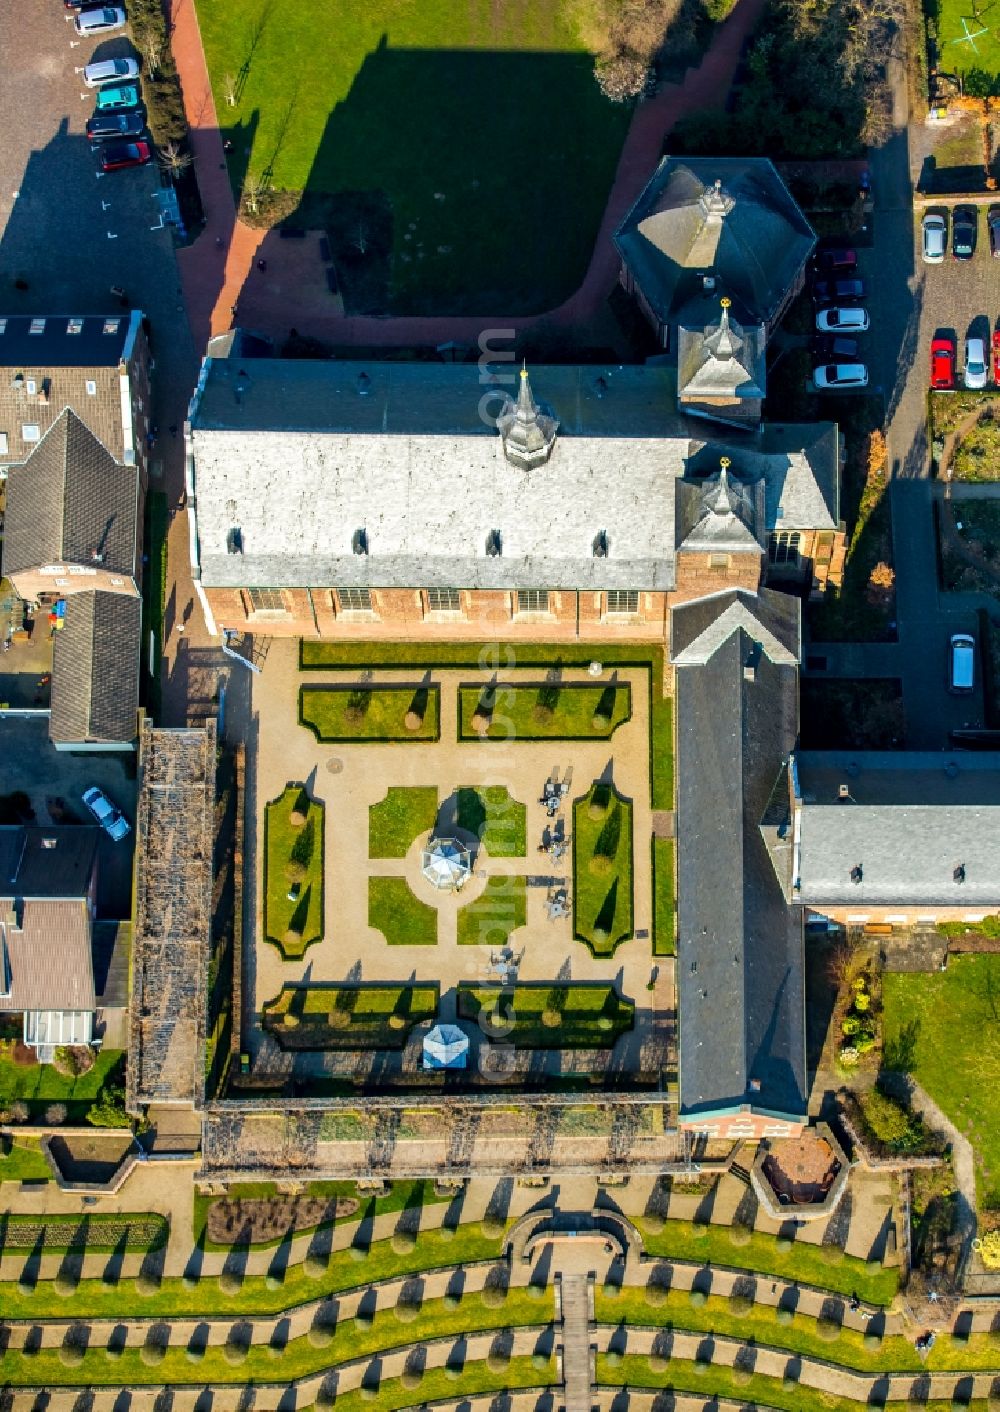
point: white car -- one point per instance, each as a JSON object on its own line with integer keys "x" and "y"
{"x": 933, "y": 238}
{"x": 108, "y": 815}
{"x": 110, "y": 71}
{"x": 845, "y": 320}
{"x": 976, "y": 369}
{"x": 841, "y": 375}
{"x": 101, "y": 20}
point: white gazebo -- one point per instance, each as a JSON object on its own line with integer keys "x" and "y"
{"x": 446, "y": 1047}
{"x": 446, "y": 864}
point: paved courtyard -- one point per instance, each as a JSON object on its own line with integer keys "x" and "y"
{"x": 350, "y": 778}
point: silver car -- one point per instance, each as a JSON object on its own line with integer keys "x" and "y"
{"x": 976, "y": 370}
{"x": 934, "y": 238}
{"x": 100, "y": 21}
{"x": 110, "y": 71}
{"x": 108, "y": 815}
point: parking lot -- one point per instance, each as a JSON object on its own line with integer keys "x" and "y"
{"x": 67, "y": 233}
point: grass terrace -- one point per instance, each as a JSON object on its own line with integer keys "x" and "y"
{"x": 557, "y": 1016}
{"x": 497, "y": 820}
{"x": 401, "y": 917}
{"x": 402, "y": 816}
{"x": 342, "y": 715}
{"x": 602, "y": 868}
{"x": 496, "y": 912}
{"x": 293, "y": 889}
{"x": 664, "y": 901}
{"x": 551, "y": 710}
{"x": 312, "y": 1017}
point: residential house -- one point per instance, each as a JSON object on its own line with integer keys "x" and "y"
{"x": 74, "y": 424}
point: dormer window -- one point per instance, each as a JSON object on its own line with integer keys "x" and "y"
{"x": 234, "y": 540}
{"x": 959, "y": 874}
{"x": 111, "y": 325}
{"x": 857, "y": 874}
{"x": 494, "y": 544}
{"x": 359, "y": 541}
{"x": 601, "y": 544}
{"x": 74, "y": 326}
{"x": 36, "y": 326}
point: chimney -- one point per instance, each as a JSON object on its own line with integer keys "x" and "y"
{"x": 844, "y": 794}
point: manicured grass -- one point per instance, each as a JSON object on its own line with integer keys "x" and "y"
{"x": 343, "y": 714}
{"x": 399, "y": 818}
{"x": 437, "y": 1388}
{"x": 24, "y": 1162}
{"x": 544, "y": 710}
{"x": 715, "y": 1380}
{"x": 557, "y": 1016}
{"x": 760, "y": 1325}
{"x": 497, "y": 912}
{"x": 956, "y": 53}
{"x": 498, "y": 656}
{"x": 664, "y": 902}
{"x": 293, "y": 924}
{"x": 41, "y": 1084}
{"x": 945, "y": 1022}
{"x": 298, "y": 1359}
{"x": 679, "y": 1240}
{"x": 381, "y": 104}
{"x": 497, "y": 820}
{"x": 602, "y": 869}
{"x": 359, "y": 1016}
{"x": 173, "y": 1300}
{"x": 402, "y": 918}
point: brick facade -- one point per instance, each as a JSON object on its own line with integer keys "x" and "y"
{"x": 743, "y": 1123}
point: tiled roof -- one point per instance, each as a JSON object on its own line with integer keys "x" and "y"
{"x": 69, "y": 502}
{"x": 95, "y": 669}
{"x": 48, "y": 955}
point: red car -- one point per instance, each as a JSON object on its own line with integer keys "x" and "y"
{"x": 117, "y": 155}
{"x": 996, "y": 357}
{"x": 943, "y": 363}
{"x": 833, "y": 261}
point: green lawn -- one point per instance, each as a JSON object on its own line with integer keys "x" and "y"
{"x": 399, "y": 818}
{"x": 344, "y": 714}
{"x": 402, "y": 918}
{"x": 498, "y": 911}
{"x": 41, "y": 1084}
{"x": 298, "y": 1359}
{"x": 557, "y": 1016}
{"x": 664, "y": 902}
{"x": 978, "y": 454}
{"x": 497, "y": 656}
{"x": 293, "y": 923}
{"x": 24, "y": 1162}
{"x": 377, "y": 104}
{"x": 602, "y": 869}
{"x": 373, "y": 1016}
{"x": 497, "y": 820}
{"x": 957, "y": 54}
{"x": 681, "y": 1240}
{"x": 947, "y": 1023}
{"x": 467, "y": 1245}
{"x": 544, "y": 711}
{"x": 761, "y": 1326}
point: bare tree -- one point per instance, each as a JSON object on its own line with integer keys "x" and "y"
{"x": 253, "y": 194}
{"x": 360, "y": 241}
{"x": 173, "y": 159}
{"x": 151, "y": 50}
{"x": 229, "y": 88}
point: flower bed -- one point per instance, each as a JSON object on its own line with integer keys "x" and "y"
{"x": 372, "y": 1016}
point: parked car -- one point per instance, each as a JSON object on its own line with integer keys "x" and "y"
{"x": 963, "y": 232}
{"x": 117, "y": 155}
{"x": 108, "y": 815}
{"x": 975, "y": 374}
{"x": 841, "y": 375}
{"x": 962, "y": 663}
{"x": 100, "y": 21}
{"x": 842, "y": 320}
{"x": 117, "y": 96}
{"x": 105, "y": 125}
{"x": 834, "y": 348}
{"x": 826, "y": 289}
{"x": 996, "y": 357}
{"x": 993, "y": 226}
{"x": 834, "y": 259}
{"x": 943, "y": 362}
{"x": 110, "y": 71}
{"x": 934, "y": 238}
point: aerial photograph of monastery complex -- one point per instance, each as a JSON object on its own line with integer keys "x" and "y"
{"x": 500, "y": 706}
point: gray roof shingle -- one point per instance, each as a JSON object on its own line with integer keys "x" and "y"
{"x": 47, "y": 946}
{"x": 740, "y": 963}
{"x": 95, "y": 669}
{"x": 69, "y": 501}
{"x": 47, "y": 862}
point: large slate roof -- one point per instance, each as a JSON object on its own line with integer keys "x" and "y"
{"x": 95, "y": 670}
{"x": 754, "y": 246}
{"x": 740, "y": 963}
{"x": 922, "y": 828}
{"x": 47, "y": 862}
{"x": 69, "y": 500}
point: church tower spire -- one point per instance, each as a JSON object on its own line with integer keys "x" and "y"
{"x": 528, "y": 434}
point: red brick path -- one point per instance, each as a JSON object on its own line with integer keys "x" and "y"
{"x": 215, "y": 280}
